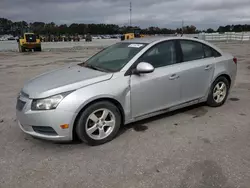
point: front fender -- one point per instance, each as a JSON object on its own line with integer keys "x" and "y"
{"x": 117, "y": 89}
{"x": 94, "y": 98}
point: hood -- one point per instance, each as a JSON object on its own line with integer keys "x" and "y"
{"x": 63, "y": 80}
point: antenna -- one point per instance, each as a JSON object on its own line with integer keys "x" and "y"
{"x": 130, "y": 14}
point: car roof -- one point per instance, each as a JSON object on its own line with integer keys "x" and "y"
{"x": 147, "y": 40}
{"x": 152, "y": 39}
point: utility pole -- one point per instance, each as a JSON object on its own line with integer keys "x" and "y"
{"x": 182, "y": 27}
{"x": 130, "y": 14}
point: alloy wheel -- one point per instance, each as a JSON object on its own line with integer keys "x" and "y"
{"x": 100, "y": 124}
{"x": 219, "y": 92}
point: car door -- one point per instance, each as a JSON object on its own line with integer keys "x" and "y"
{"x": 160, "y": 89}
{"x": 197, "y": 70}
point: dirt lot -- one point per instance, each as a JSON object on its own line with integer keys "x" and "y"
{"x": 198, "y": 147}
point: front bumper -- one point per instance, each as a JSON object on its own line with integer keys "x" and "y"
{"x": 31, "y": 122}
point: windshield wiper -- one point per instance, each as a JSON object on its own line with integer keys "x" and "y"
{"x": 92, "y": 67}
{"x": 96, "y": 68}
{"x": 84, "y": 64}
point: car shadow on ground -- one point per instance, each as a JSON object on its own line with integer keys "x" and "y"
{"x": 194, "y": 111}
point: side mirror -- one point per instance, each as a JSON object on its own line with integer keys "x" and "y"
{"x": 144, "y": 68}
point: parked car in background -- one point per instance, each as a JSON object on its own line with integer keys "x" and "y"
{"x": 96, "y": 37}
{"x": 106, "y": 37}
{"x": 115, "y": 36}
{"x": 126, "y": 82}
{"x": 6, "y": 37}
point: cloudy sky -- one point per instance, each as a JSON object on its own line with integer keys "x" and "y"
{"x": 162, "y": 13}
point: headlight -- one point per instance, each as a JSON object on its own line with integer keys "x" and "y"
{"x": 49, "y": 103}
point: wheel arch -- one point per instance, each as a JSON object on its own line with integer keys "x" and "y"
{"x": 209, "y": 98}
{"x": 227, "y": 76}
{"x": 89, "y": 103}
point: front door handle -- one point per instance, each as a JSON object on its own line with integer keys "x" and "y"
{"x": 173, "y": 77}
{"x": 208, "y": 67}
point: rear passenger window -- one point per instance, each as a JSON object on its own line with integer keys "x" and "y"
{"x": 208, "y": 51}
{"x": 191, "y": 50}
{"x": 216, "y": 54}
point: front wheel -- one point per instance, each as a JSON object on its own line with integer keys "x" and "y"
{"x": 99, "y": 123}
{"x": 218, "y": 92}
{"x": 21, "y": 48}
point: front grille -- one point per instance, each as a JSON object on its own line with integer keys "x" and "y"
{"x": 20, "y": 104}
{"x": 44, "y": 130}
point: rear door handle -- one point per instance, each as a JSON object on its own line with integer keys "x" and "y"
{"x": 208, "y": 67}
{"x": 173, "y": 77}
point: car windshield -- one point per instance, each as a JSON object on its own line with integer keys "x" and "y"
{"x": 114, "y": 58}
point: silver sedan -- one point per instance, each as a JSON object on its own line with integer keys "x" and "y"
{"x": 124, "y": 83}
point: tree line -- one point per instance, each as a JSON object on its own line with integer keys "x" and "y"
{"x": 41, "y": 28}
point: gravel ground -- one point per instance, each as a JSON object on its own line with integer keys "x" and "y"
{"x": 197, "y": 147}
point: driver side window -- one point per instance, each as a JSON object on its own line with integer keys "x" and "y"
{"x": 160, "y": 55}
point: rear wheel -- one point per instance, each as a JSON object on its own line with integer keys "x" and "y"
{"x": 218, "y": 92}
{"x": 99, "y": 123}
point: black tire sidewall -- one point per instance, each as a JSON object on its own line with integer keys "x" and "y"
{"x": 80, "y": 126}
{"x": 38, "y": 49}
{"x": 22, "y": 49}
{"x": 211, "y": 102}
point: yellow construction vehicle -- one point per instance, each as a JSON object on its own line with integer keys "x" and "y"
{"x": 29, "y": 42}
{"x": 135, "y": 33}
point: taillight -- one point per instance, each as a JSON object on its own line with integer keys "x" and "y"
{"x": 235, "y": 60}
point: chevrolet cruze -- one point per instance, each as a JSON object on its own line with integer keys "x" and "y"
{"x": 126, "y": 82}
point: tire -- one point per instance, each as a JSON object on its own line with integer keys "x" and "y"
{"x": 216, "y": 100}
{"x": 38, "y": 49}
{"x": 21, "y": 49}
{"x": 101, "y": 132}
